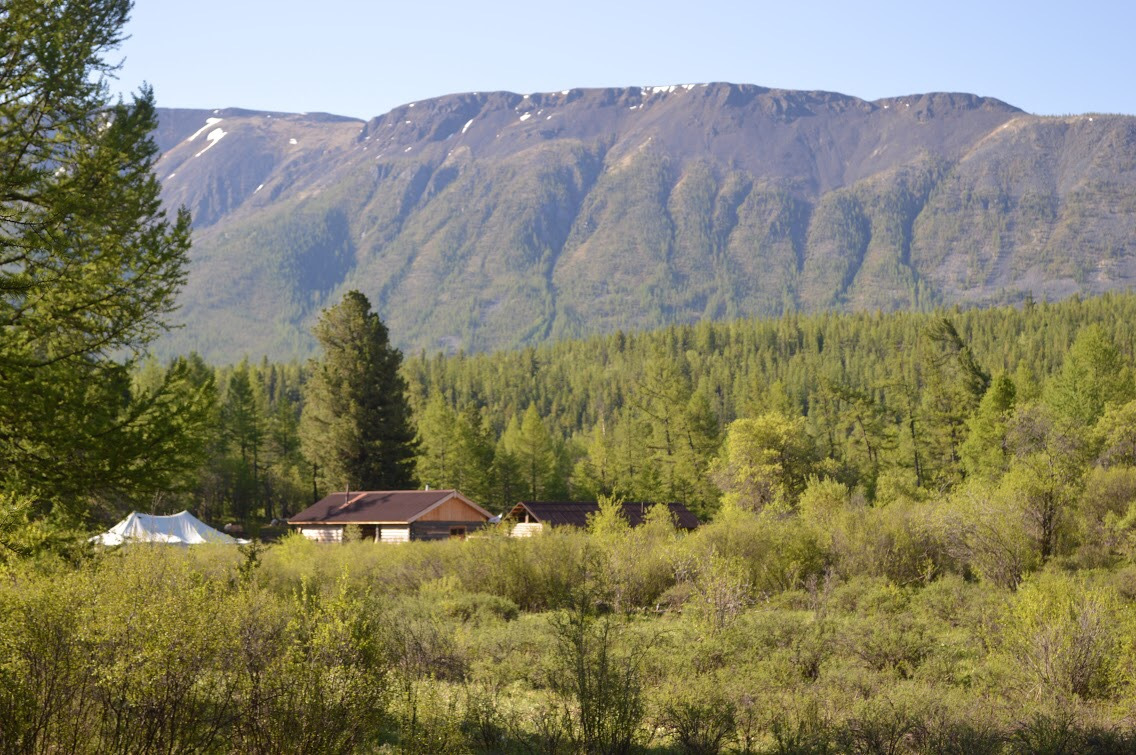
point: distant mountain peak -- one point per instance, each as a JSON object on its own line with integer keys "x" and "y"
{"x": 492, "y": 219}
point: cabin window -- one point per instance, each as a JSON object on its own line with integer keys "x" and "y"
{"x": 457, "y": 532}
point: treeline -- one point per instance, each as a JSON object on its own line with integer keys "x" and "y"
{"x": 645, "y": 416}
{"x": 250, "y": 465}
{"x": 859, "y": 398}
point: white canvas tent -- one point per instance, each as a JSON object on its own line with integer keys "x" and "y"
{"x": 182, "y": 528}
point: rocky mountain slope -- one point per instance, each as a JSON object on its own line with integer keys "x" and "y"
{"x": 490, "y": 220}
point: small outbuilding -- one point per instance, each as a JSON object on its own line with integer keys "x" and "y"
{"x": 391, "y": 516}
{"x": 530, "y": 517}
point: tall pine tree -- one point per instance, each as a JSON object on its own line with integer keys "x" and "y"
{"x": 89, "y": 268}
{"x": 355, "y": 426}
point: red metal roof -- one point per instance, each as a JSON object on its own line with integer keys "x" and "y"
{"x": 378, "y": 507}
{"x": 575, "y": 513}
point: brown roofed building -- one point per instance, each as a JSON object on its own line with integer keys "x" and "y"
{"x": 391, "y": 516}
{"x": 530, "y": 517}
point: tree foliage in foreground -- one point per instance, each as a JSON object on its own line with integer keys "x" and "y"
{"x": 89, "y": 268}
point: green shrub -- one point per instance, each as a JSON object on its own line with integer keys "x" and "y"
{"x": 479, "y": 608}
{"x": 802, "y": 730}
{"x": 601, "y": 677}
{"x": 429, "y": 720}
{"x": 698, "y": 715}
{"x": 1067, "y": 636}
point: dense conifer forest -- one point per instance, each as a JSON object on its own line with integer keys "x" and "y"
{"x": 917, "y": 399}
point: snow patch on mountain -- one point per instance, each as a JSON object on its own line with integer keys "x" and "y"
{"x": 212, "y": 137}
{"x": 208, "y": 122}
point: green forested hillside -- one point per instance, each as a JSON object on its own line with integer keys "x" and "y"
{"x": 875, "y": 392}
{"x": 755, "y": 363}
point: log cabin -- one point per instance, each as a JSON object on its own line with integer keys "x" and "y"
{"x": 391, "y": 516}
{"x": 530, "y": 517}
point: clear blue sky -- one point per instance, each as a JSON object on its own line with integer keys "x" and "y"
{"x": 363, "y": 57}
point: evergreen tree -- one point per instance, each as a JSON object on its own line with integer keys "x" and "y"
{"x": 986, "y": 452}
{"x": 864, "y": 430}
{"x": 635, "y": 478}
{"x": 243, "y": 427}
{"x": 595, "y": 474}
{"x": 171, "y": 417}
{"x": 284, "y": 490}
{"x": 474, "y": 461}
{"x": 89, "y": 267}
{"x": 434, "y": 464}
{"x": 682, "y": 434}
{"x": 1092, "y": 376}
{"x": 506, "y": 475}
{"x": 530, "y": 443}
{"x": 454, "y": 450}
{"x": 699, "y": 442}
{"x": 953, "y": 385}
{"x": 355, "y": 427}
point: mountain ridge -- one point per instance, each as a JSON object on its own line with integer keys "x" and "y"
{"x": 490, "y": 220}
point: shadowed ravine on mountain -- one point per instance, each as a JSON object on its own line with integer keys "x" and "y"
{"x": 491, "y": 220}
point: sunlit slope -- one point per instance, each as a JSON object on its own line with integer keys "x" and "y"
{"x": 491, "y": 220}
